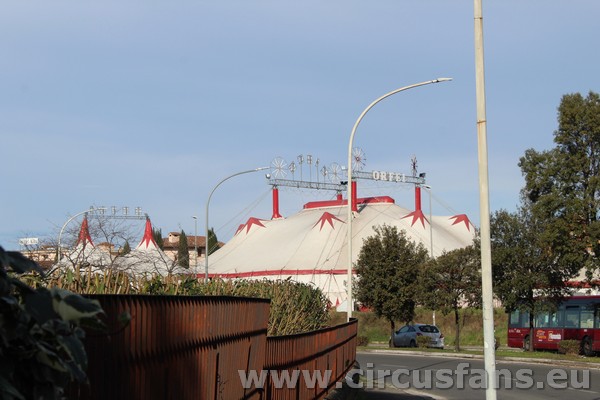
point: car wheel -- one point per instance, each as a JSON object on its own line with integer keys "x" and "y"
{"x": 413, "y": 343}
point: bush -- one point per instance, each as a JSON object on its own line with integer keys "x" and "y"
{"x": 362, "y": 340}
{"x": 41, "y": 332}
{"x": 569, "y": 347}
{"x": 423, "y": 341}
{"x": 295, "y": 307}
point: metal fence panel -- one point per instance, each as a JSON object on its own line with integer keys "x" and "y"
{"x": 326, "y": 353}
{"x": 176, "y": 347}
{"x": 192, "y": 347}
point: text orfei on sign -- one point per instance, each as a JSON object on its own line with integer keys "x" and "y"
{"x": 388, "y": 176}
{"x": 460, "y": 378}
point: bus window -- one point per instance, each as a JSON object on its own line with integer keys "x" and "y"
{"x": 572, "y": 317}
{"x": 587, "y": 318}
{"x": 547, "y": 319}
{"x": 557, "y": 319}
{"x": 597, "y": 317}
{"x": 518, "y": 319}
{"x": 542, "y": 319}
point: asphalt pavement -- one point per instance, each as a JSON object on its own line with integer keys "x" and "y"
{"x": 348, "y": 393}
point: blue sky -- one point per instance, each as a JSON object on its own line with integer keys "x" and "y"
{"x": 150, "y": 104}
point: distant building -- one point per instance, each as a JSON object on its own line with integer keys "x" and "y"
{"x": 171, "y": 247}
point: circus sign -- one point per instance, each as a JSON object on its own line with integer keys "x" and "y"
{"x": 388, "y": 176}
{"x": 28, "y": 241}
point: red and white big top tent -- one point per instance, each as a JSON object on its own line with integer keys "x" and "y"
{"x": 311, "y": 245}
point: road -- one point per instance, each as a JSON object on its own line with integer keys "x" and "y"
{"x": 421, "y": 377}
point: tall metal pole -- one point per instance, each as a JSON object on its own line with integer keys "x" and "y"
{"x": 195, "y": 242}
{"x": 207, "y": 206}
{"x": 430, "y": 235}
{"x": 350, "y": 144}
{"x": 484, "y": 210}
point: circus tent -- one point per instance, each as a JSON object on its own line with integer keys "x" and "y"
{"x": 311, "y": 245}
{"x": 85, "y": 253}
{"x": 148, "y": 259}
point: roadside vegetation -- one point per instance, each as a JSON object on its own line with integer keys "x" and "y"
{"x": 376, "y": 329}
{"x": 295, "y": 307}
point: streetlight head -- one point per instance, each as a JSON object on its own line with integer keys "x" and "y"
{"x": 193, "y": 216}
{"x": 442, "y": 80}
{"x": 261, "y": 168}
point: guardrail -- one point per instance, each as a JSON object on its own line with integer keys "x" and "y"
{"x": 197, "y": 347}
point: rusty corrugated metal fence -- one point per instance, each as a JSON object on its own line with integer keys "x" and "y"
{"x": 314, "y": 361}
{"x": 198, "y": 347}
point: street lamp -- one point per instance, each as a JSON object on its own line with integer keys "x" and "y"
{"x": 195, "y": 242}
{"x": 207, "y": 205}
{"x": 350, "y": 178}
{"x": 430, "y": 233}
{"x": 487, "y": 294}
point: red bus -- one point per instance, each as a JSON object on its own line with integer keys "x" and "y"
{"x": 577, "y": 318}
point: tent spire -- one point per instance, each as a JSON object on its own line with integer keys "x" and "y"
{"x": 417, "y": 198}
{"x": 148, "y": 237}
{"x": 417, "y": 215}
{"x": 276, "y": 214}
{"x": 84, "y": 233}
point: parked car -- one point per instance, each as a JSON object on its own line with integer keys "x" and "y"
{"x": 407, "y": 336}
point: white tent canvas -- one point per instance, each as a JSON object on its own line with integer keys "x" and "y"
{"x": 311, "y": 246}
{"x": 85, "y": 253}
{"x": 148, "y": 259}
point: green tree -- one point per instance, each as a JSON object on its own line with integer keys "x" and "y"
{"x": 183, "y": 254}
{"x": 563, "y": 186}
{"x": 126, "y": 248}
{"x": 453, "y": 281}
{"x": 212, "y": 242}
{"x": 157, "y": 236}
{"x": 524, "y": 270}
{"x": 387, "y": 270}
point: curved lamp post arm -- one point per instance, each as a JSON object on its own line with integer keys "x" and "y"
{"x": 207, "y": 206}
{"x": 349, "y": 190}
